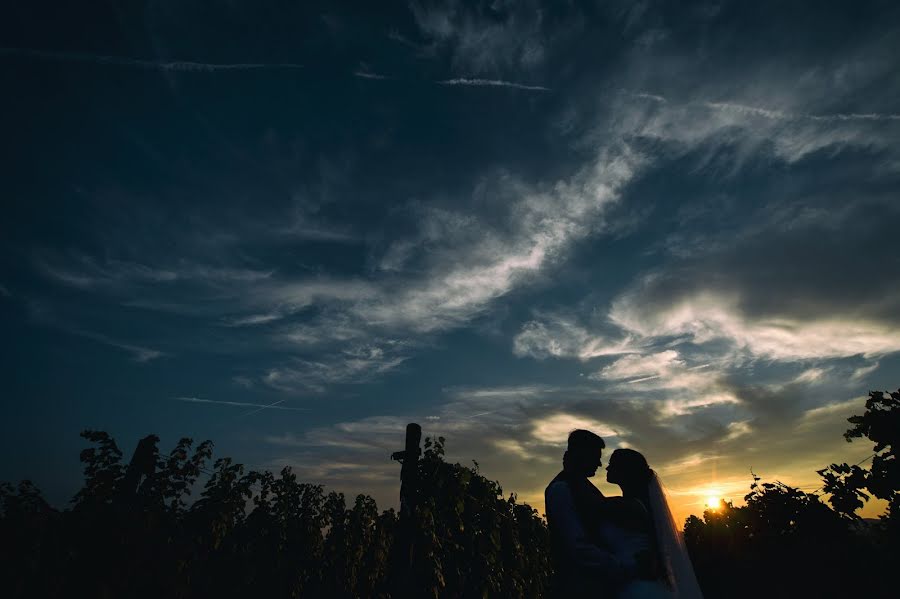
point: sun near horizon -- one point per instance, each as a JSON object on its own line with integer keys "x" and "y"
{"x": 502, "y": 222}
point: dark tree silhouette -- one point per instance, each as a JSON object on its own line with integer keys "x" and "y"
{"x": 790, "y": 543}
{"x": 880, "y": 424}
{"x": 133, "y": 530}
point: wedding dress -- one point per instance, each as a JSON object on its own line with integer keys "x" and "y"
{"x": 626, "y": 545}
{"x": 627, "y": 542}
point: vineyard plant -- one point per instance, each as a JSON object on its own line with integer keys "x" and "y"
{"x": 135, "y": 530}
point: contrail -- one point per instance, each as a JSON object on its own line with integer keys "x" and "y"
{"x": 368, "y": 75}
{"x": 779, "y": 115}
{"x": 647, "y": 96}
{"x": 767, "y": 113}
{"x": 642, "y": 379}
{"x": 141, "y": 354}
{"x": 479, "y": 414}
{"x": 242, "y": 404}
{"x": 261, "y": 408}
{"x": 493, "y": 83}
{"x": 157, "y": 65}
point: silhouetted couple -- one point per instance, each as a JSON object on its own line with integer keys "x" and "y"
{"x": 624, "y": 547}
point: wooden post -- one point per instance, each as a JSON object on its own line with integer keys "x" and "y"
{"x": 403, "y": 570}
{"x": 143, "y": 463}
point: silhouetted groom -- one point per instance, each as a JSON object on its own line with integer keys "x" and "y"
{"x": 584, "y": 567}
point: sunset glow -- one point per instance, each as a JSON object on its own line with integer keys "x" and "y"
{"x": 450, "y": 298}
{"x": 501, "y": 223}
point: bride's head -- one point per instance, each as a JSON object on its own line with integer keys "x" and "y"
{"x": 628, "y": 467}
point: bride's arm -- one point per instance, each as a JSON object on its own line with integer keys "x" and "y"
{"x": 580, "y": 549}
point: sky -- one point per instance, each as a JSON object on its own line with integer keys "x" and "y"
{"x": 295, "y": 227}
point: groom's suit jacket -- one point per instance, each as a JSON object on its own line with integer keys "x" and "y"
{"x": 584, "y": 565}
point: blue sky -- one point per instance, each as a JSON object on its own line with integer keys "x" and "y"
{"x": 671, "y": 224}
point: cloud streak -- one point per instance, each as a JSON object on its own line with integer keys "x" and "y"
{"x": 242, "y": 404}
{"x": 492, "y": 83}
{"x": 779, "y": 115}
{"x": 183, "y": 66}
{"x": 140, "y": 354}
{"x": 369, "y": 75}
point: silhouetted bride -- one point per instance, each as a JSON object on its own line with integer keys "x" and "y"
{"x": 640, "y": 530}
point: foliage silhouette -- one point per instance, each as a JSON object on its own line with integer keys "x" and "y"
{"x": 845, "y": 483}
{"x": 272, "y": 535}
{"x": 132, "y": 530}
{"x": 790, "y": 543}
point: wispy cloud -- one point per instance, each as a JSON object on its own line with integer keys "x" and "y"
{"x": 704, "y": 316}
{"x": 554, "y": 429}
{"x": 369, "y": 75}
{"x": 772, "y": 114}
{"x": 493, "y": 83}
{"x": 242, "y": 404}
{"x": 274, "y": 404}
{"x": 253, "y": 319}
{"x": 665, "y": 378}
{"x": 509, "y": 37}
{"x": 123, "y": 61}
{"x": 139, "y": 354}
{"x": 560, "y": 336}
{"x": 648, "y": 96}
{"x": 364, "y": 325}
{"x": 84, "y": 271}
{"x": 780, "y": 115}
{"x": 863, "y": 371}
{"x": 355, "y": 363}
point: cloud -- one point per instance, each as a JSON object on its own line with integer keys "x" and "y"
{"x": 648, "y": 96}
{"x": 140, "y": 354}
{"x": 242, "y": 404}
{"x": 811, "y": 375}
{"x": 642, "y": 368}
{"x": 707, "y": 316}
{"x": 493, "y": 83}
{"x": 369, "y": 75}
{"x": 83, "y": 271}
{"x": 122, "y": 61}
{"x": 354, "y": 364}
{"x": 253, "y": 319}
{"x": 668, "y": 385}
{"x": 554, "y": 429}
{"x": 484, "y": 39}
{"x": 459, "y": 262}
{"x": 752, "y": 131}
{"x": 789, "y": 282}
{"x": 561, "y": 337}
{"x": 844, "y": 408}
{"x": 468, "y": 263}
{"x": 520, "y": 450}
{"x": 520, "y": 432}
{"x": 738, "y": 429}
{"x": 43, "y": 313}
{"x": 466, "y": 273}
{"x": 863, "y": 371}
{"x": 779, "y": 115}
{"x": 496, "y": 395}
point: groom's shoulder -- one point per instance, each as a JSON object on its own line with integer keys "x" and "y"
{"x": 557, "y": 480}
{"x": 558, "y": 496}
{"x": 562, "y": 483}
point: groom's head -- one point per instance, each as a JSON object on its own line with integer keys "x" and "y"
{"x": 584, "y": 452}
